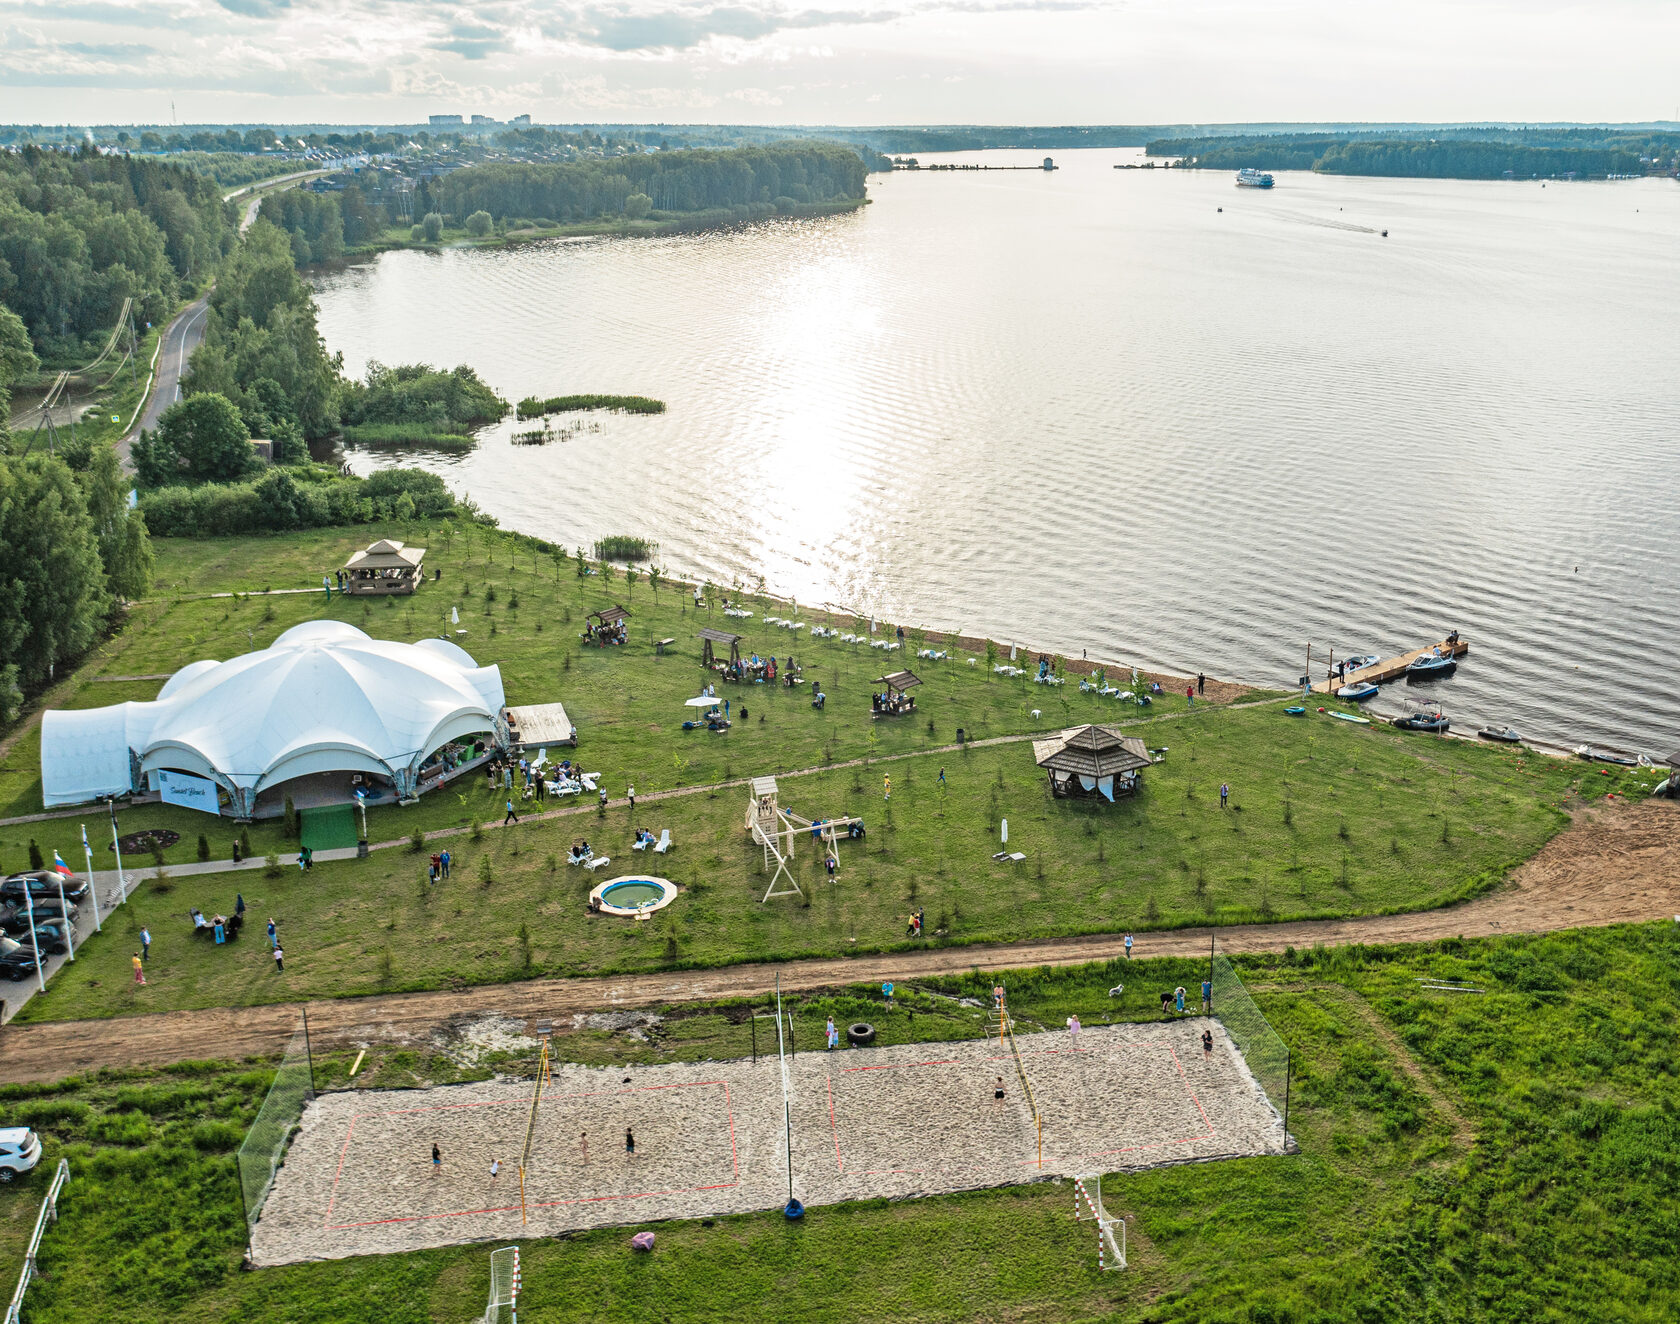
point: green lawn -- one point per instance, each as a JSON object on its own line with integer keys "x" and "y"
{"x": 1326, "y": 819}
{"x": 1557, "y": 1205}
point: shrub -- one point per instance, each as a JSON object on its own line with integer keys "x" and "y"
{"x": 203, "y": 847}
{"x": 432, "y": 227}
{"x": 478, "y": 224}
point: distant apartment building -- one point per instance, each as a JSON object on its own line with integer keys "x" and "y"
{"x": 485, "y": 119}
{"x": 445, "y": 121}
{"x": 520, "y": 121}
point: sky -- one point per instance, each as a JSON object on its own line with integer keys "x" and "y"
{"x": 837, "y": 61}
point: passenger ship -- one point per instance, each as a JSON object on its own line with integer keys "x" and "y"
{"x": 1251, "y": 178}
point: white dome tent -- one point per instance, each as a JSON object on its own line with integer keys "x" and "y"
{"x": 323, "y": 698}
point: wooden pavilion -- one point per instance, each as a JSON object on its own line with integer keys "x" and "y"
{"x": 896, "y": 699}
{"x": 709, "y": 636}
{"x": 608, "y": 627}
{"x": 386, "y": 566}
{"x": 1088, "y": 762}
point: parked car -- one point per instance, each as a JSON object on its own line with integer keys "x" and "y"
{"x": 15, "y": 920}
{"x": 49, "y": 938}
{"x": 42, "y": 883}
{"x": 20, "y": 1151}
{"x": 17, "y": 962}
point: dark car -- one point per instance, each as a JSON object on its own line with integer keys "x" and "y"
{"x": 42, "y": 883}
{"x": 16, "y": 920}
{"x": 48, "y": 938}
{"x": 16, "y": 961}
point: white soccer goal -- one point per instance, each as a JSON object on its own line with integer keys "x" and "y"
{"x": 504, "y": 1285}
{"x": 1087, "y": 1204}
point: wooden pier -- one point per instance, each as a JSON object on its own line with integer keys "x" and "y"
{"x": 1391, "y": 668}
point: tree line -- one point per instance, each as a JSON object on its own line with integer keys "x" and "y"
{"x": 1422, "y": 158}
{"x": 779, "y": 177}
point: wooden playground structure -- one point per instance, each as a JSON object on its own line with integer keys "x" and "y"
{"x": 775, "y": 829}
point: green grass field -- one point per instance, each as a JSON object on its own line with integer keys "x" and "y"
{"x": 1326, "y": 819}
{"x": 1524, "y": 1173}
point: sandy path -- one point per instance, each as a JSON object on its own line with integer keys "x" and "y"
{"x": 1617, "y": 863}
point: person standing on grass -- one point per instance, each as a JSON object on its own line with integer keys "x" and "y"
{"x": 279, "y": 960}
{"x": 1224, "y": 793}
{"x": 145, "y": 943}
{"x": 629, "y": 1143}
{"x": 511, "y": 816}
{"x": 603, "y": 796}
{"x": 1190, "y": 695}
{"x": 139, "y": 970}
{"x": 239, "y": 905}
{"x": 886, "y": 785}
{"x": 1128, "y": 946}
{"x": 437, "y": 1159}
{"x": 942, "y": 776}
{"x": 1178, "y": 999}
{"x": 1207, "y": 996}
{"x": 273, "y": 933}
{"x": 1207, "y": 1044}
{"x": 630, "y": 792}
{"x": 833, "y": 1034}
{"x": 443, "y": 860}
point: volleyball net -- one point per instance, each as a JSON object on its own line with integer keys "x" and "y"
{"x": 265, "y": 1144}
{"x": 1262, "y": 1048}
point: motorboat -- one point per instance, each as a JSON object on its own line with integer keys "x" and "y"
{"x": 1427, "y": 666}
{"x": 1358, "y": 692}
{"x": 1435, "y": 723}
{"x": 1359, "y": 662}
{"x": 1616, "y": 756}
{"x": 1505, "y": 736}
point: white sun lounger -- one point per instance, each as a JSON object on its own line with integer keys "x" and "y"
{"x": 595, "y": 862}
{"x": 664, "y": 842}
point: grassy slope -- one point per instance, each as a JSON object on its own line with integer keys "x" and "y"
{"x": 1561, "y": 1210}
{"x": 1425, "y": 821}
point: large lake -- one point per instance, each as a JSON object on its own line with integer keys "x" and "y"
{"x": 1139, "y": 412}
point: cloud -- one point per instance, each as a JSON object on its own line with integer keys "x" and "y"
{"x": 472, "y": 41}
{"x": 256, "y": 8}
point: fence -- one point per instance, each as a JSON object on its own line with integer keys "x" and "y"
{"x": 1266, "y": 1054}
{"x": 265, "y": 1144}
{"x": 49, "y": 1213}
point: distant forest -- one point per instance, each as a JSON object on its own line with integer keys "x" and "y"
{"x": 745, "y": 182}
{"x": 1520, "y": 154}
{"x": 80, "y": 232}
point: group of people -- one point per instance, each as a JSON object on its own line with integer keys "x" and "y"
{"x": 615, "y": 632}
{"x": 220, "y": 928}
{"x": 765, "y": 669}
{"x": 892, "y": 701}
{"x": 440, "y": 865}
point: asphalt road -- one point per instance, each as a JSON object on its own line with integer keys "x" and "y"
{"x": 180, "y": 338}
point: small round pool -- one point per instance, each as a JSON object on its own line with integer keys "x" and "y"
{"x": 635, "y": 894}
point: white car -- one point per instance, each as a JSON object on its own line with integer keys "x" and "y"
{"x": 20, "y": 1151}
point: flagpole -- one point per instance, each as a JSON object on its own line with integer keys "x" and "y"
{"x": 64, "y": 906}
{"x": 34, "y": 937}
{"x": 122, "y": 883}
{"x": 93, "y": 886}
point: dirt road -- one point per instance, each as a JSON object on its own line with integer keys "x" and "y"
{"x": 1617, "y": 863}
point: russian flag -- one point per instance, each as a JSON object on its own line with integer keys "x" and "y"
{"x": 59, "y": 866}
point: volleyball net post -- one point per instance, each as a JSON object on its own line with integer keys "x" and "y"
{"x": 544, "y": 1074}
{"x": 1006, "y": 1030}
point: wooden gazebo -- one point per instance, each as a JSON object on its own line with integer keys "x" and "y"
{"x": 896, "y": 699}
{"x": 1088, "y": 762}
{"x": 709, "y": 636}
{"x": 608, "y": 625}
{"x": 387, "y": 566}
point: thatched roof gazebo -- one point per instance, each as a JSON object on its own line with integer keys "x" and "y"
{"x": 896, "y": 700}
{"x": 709, "y": 636}
{"x": 1085, "y": 762}
{"x": 386, "y": 566}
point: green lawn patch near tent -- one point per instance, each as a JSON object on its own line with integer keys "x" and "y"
{"x": 328, "y": 829}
